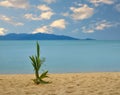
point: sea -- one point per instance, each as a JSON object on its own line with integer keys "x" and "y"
{"x": 62, "y": 56}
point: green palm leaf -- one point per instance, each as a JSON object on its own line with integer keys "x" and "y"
{"x": 38, "y": 50}
{"x": 44, "y": 75}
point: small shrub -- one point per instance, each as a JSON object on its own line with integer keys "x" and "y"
{"x": 36, "y": 63}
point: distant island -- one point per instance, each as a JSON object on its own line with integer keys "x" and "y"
{"x": 38, "y": 36}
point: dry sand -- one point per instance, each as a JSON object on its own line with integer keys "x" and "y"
{"x": 62, "y": 84}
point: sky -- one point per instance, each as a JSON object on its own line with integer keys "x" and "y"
{"x": 97, "y": 19}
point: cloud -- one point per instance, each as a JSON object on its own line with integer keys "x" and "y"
{"x": 18, "y": 23}
{"x": 23, "y": 4}
{"x": 44, "y": 8}
{"x": 98, "y": 26}
{"x": 60, "y": 23}
{"x": 50, "y": 1}
{"x": 87, "y": 30}
{"x": 46, "y": 15}
{"x": 5, "y": 18}
{"x": 32, "y": 17}
{"x": 78, "y": 3}
{"x": 102, "y": 25}
{"x": 10, "y": 20}
{"x": 43, "y": 16}
{"x": 2, "y": 31}
{"x": 117, "y": 7}
{"x": 98, "y": 2}
{"x": 81, "y": 13}
{"x": 43, "y": 29}
{"x": 65, "y": 14}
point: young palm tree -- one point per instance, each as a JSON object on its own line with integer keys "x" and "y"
{"x": 36, "y": 63}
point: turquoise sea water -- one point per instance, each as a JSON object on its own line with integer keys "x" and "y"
{"x": 61, "y": 56}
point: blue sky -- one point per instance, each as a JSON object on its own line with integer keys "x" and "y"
{"x": 98, "y": 19}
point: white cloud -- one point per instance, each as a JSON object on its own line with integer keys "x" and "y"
{"x": 65, "y": 14}
{"x": 50, "y": 1}
{"x": 10, "y": 20}
{"x": 117, "y": 7}
{"x": 17, "y": 23}
{"x": 43, "y": 16}
{"x": 44, "y": 7}
{"x": 5, "y": 18}
{"x": 46, "y": 15}
{"x": 32, "y": 17}
{"x": 87, "y": 30}
{"x": 23, "y": 4}
{"x": 102, "y": 25}
{"x": 2, "y": 31}
{"x": 98, "y": 2}
{"x": 98, "y": 26}
{"x": 78, "y": 3}
{"x": 43, "y": 29}
{"x": 60, "y": 23}
{"x": 82, "y": 13}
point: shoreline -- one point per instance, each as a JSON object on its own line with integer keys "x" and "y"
{"x": 95, "y": 83}
{"x": 60, "y": 73}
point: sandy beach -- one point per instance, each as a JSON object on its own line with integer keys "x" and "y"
{"x": 62, "y": 84}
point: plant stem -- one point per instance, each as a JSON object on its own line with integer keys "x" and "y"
{"x": 37, "y": 74}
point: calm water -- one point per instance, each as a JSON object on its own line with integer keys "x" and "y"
{"x": 61, "y": 56}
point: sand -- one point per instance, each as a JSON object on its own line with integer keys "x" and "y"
{"x": 62, "y": 84}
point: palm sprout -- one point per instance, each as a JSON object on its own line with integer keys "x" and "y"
{"x": 36, "y": 63}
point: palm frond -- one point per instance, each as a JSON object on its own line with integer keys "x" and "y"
{"x": 44, "y": 75}
{"x": 33, "y": 62}
{"x": 38, "y": 50}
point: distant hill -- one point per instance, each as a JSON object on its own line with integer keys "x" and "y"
{"x": 89, "y": 39}
{"x": 38, "y": 36}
